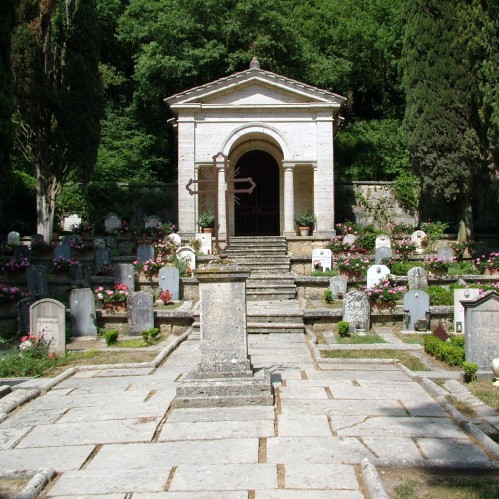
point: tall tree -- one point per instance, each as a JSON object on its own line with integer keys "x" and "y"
{"x": 441, "y": 117}
{"x": 59, "y": 95}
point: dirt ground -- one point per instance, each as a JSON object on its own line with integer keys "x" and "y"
{"x": 11, "y": 487}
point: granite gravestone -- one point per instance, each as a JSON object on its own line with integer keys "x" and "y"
{"x": 48, "y": 321}
{"x": 36, "y": 278}
{"x": 420, "y": 239}
{"x": 417, "y": 278}
{"x": 188, "y": 255}
{"x": 102, "y": 259}
{"x": 21, "y": 251}
{"x": 80, "y": 276}
{"x": 460, "y": 295}
{"x": 152, "y": 221}
{"x": 481, "y": 317}
{"x": 13, "y": 238}
{"x": 169, "y": 279}
{"x": 22, "y": 309}
{"x": 338, "y": 286}
{"x": 112, "y": 222}
{"x": 416, "y": 310}
{"x": 82, "y": 310}
{"x": 322, "y": 258}
{"x": 382, "y": 254}
{"x": 446, "y": 253}
{"x": 376, "y": 274}
{"x": 350, "y": 239}
{"x": 357, "y": 311}
{"x": 140, "y": 312}
{"x": 383, "y": 241}
{"x": 145, "y": 252}
{"x": 124, "y": 273}
{"x": 62, "y": 251}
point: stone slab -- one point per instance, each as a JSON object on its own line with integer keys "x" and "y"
{"x": 311, "y": 494}
{"x": 9, "y": 436}
{"x": 226, "y": 494}
{"x": 357, "y": 375}
{"x": 303, "y": 426}
{"x": 320, "y": 476}
{"x": 309, "y": 392}
{"x": 396, "y": 448}
{"x": 249, "y": 413}
{"x": 25, "y": 418}
{"x": 224, "y": 477}
{"x": 459, "y": 449}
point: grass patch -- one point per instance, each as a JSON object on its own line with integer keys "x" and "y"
{"x": 408, "y": 360}
{"x": 411, "y": 339}
{"x": 462, "y": 407}
{"x": 486, "y": 392}
{"x": 361, "y": 340}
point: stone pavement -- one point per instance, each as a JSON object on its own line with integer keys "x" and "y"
{"x": 110, "y": 432}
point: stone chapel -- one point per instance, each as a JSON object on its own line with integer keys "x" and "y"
{"x": 276, "y": 130}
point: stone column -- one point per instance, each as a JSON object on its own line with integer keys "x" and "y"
{"x": 222, "y": 213}
{"x": 289, "y": 200}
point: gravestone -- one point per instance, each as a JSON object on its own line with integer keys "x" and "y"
{"x": 102, "y": 258}
{"x": 417, "y": 278}
{"x": 80, "y": 276}
{"x": 321, "y": 257}
{"x": 416, "y": 310}
{"x": 338, "y": 286}
{"x": 460, "y": 295}
{"x": 152, "y": 221}
{"x": 481, "y": 317}
{"x": 446, "y": 253}
{"x": 383, "y": 241}
{"x": 22, "y": 309}
{"x": 47, "y": 319}
{"x": 37, "y": 238}
{"x": 382, "y": 253}
{"x": 124, "y": 273}
{"x": 126, "y": 247}
{"x": 71, "y": 240}
{"x": 110, "y": 242}
{"x": 357, "y": 311}
{"x": 419, "y": 238}
{"x": 169, "y": 279}
{"x": 376, "y": 274}
{"x": 62, "y": 250}
{"x": 36, "y": 279}
{"x": 175, "y": 239}
{"x": 99, "y": 243}
{"x": 71, "y": 221}
{"x": 112, "y": 222}
{"x": 188, "y": 254}
{"x": 206, "y": 243}
{"x": 13, "y": 238}
{"x": 82, "y": 311}
{"x": 140, "y": 312}
{"x": 145, "y": 252}
{"x": 21, "y": 251}
{"x": 350, "y": 239}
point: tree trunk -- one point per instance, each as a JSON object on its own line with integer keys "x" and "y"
{"x": 45, "y": 205}
{"x": 466, "y": 232}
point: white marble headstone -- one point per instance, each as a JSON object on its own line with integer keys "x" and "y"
{"x": 383, "y": 241}
{"x": 376, "y": 273}
{"x": 350, "y": 239}
{"x": 186, "y": 253}
{"x": 71, "y": 221}
{"x": 152, "y": 221}
{"x": 459, "y": 295}
{"x": 323, "y": 256}
{"x": 419, "y": 238}
{"x": 112, "y": 221}
{"x": 206, "y": 243}
{"x": 13, "y": 238}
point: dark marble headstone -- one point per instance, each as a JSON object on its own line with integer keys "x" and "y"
{"x": 416, "y": 308}
{"x": 21, "y": 251}
{"x": 357, "y": 311}
{"x": 22, "y": 309}
{"x": 102, "y": 258}
{"x": 80, "y": 276}
{"x": 169, "y": 279}
{"x": 124, "y": 273}
{"x": 82, "y": 309}
{"x": 36, "y": 278}
{"x": 63, "y": 250}
{"x": 140, "y": 312}
{"x": 145, "y": 252}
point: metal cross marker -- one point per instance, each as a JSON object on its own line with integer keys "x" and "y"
{"x": 211, "y": 177}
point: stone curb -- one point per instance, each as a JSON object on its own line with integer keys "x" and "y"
{"x": 18, "y": 398}
{"x": 39, "y": 479}
{"x": 435, "y": 464}
{"x": 372, "y": 481}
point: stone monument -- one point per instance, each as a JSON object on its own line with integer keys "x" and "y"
{"x": 82, "y": 309}
{"x": 47, "y": 319}
{"x": 357, "y": 311}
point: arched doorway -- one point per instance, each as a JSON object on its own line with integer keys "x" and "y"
{"x": 257, "y": 214}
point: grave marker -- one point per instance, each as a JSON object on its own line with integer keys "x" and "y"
{"x": 62, "y": 250}
{"x": 80, "y": 276}
{"x": 124, "y": 273}
{"x": 188, "y": 254}
{"x": 416, "y": 311}
{"x": 71, "y": 221}
{"x": 140, "y": 312}
{"x": 376, "y": 274}
{"x": 383, "y": 241}
{"x": 21, "y": 251}
{"x": 145, "y": 252}
{"x": 322, "y": 258}
{"x": 82, "y": 310}
{"x": 420, "y": 238}
{"x": 460, "y": 295}
{"x": 338, "y": 286}
{"x": 48, "y": 321}
{"x": 169, "y": 279}
{"x": 102, "y": 258}
{"x": 417, "y": 278}
{"x": 36, "y": 279}
{"x": 112, "y": 222}
{"x": 152, "y": 221}
{"x": 22, "y": 309}
{"x": 175, "y": 239}
{"x": 446, "y": 253}
{"x": 357, "y": 311}
{"x": 13, "y": 238}
{"x": 382, "y": 253}
{"x": 206, "y": 243}
{"x": 350, "y": 239}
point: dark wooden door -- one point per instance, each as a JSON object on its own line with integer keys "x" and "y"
{"x": 257, "y": 214}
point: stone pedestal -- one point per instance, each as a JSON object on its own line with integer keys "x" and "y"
{"x": 225, "y": 376}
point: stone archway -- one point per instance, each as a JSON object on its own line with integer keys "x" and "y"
{"x": 257, "y": 214}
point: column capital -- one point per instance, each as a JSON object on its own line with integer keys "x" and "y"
{"x": 288, "y": 165}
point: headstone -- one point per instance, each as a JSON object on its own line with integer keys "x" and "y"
{"x": 62, "y": 250}
{"x": 124, "y": 273}
{"x": 110, "y": 242}
{"x": 37, "y": 238}
{"x": 82, "y": 310}
{"x": 417, "y": 278}
{"x": 71, "y": 240}
{"x": 36, "y": 279}
{"x": 126, "y": 247}
{"x": 112, "y": 222}
{"x": 175, "y": 239}
{"x": 188, "y": 254}
{"x": 338, "y": 286}
{"x": 376, "y": 274}
{"x": 382, "y": 253}
{"x": 145, "y": 252}
{"x": 48, "y": 321}
{"x": 140, "y": 312}
{"x": 446, "y": 253}
{"x": 460, "y": 295}
{"x": 80, "y": 276}
{"x": 419, "y": 238}
{"x": 206, "y": 243}
{"x": 99, "y": 243}
{"x": 383, "y": 241}
{"x": 71, "y": 222}
{"x": 416, "y": 309}
{"x": 482, "y": 334}
{"x": 22, "y": 309}
{"x": 13, "y": 238}
{"x": 102, "y": 258}
{"x": 321, "y": 257}
{"x": 169, "y": 279}
{"x": 21, "y": 251}
{"x": 357, "y": 311}
{"x": 152, "y": 221}
{"x": 350, "y": 239}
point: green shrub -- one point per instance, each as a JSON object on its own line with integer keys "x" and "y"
{"x": 470, "y": 369}
{"x": 343, "y": 328}
{"x": 440, "y": 295}
{"x": 452, "y": 354}
{"x": 366, "y": 241}
{"x": 111, "y": 336}
{"x": 401, "y": 268}
{"x": 14, "y": 364}
{"x": 328, "y": 296}
{"x": 457, "y": 341}
{"x": 150, "y": 334}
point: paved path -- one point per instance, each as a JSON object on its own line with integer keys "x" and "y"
{"x": 110, "y": 432}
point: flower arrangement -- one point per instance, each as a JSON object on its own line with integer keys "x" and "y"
{"x": 83, "y": 228}
{"x": 400, "y": 229}
{"x": 106, "y": 270}
{"x": 435, "y": 264}
{"x": 165, "y": 248}
{"x": 349, "y": 263}
{"x": 150, "y": 267}
{"x": 41, "y": 247}
{"x": 10, "y": 294}
{"x": 385, "y": 291}
{"x": 460, "y": 248}
{"x": 14, "y": 265}
{"x": 336, "y": 245}
{"x": 346, "y": 228}
{"x": 34, "y": 347}
{"x": 62, "y": 264}
{"x": 120, "y": 293}
{"x": 404, "y": 248}
{"x": 123, "y": 227}
{"x": 488, "y": 263}
{"x": 166, "y": 297}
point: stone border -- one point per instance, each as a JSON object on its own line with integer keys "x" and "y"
{"x": 39, "y": 480}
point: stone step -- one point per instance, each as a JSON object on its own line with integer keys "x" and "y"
{"x": 284, "y": 328}
{"x": 261, "y": 260}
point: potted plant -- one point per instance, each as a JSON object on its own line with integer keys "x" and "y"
{"x": 305, "y": 221}
{"x": 207, "y": 221}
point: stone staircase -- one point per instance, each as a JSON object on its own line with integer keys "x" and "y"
{"x": 270, "y": 289}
